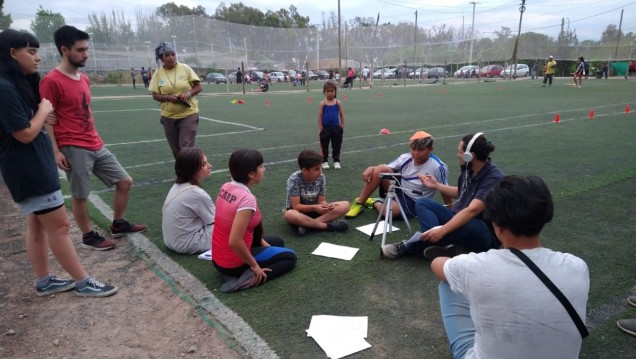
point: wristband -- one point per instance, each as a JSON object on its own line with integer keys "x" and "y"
{"x": 166, "y": 98}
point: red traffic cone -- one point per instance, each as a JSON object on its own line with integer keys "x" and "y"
{"x": 379, "y": 94}
{"x": 557, "y": 118}
{"x": 627, "y": 109}
{"x": 308, "y": 99}
{"x": 266, "y": 102}
{"x": 241, "y": 101}
{"x": 591, "y": 114}
{"x": 443, "y": 90}
{"x": 345, "y": 97}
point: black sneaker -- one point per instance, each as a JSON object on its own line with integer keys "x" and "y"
{"x": 121, "y": 227}
{"x": 433, "y": 252}
{"x": 95, "y": 288}
{"x": 54, "y": 285}
{"x": 337, "y": 226}
{"x": 393, "y": 251}
{"x": 96, "y": 242}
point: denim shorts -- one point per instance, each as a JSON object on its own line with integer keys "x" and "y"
{"x": 42, "y": 202}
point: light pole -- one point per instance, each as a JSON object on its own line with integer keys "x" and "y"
{"x": 472, "y": 35}
{"x": 128, "y": 54}
{"x": 245, "y": 46}
{"x": 174, "y": 44}
{"x": 147, "y": 42}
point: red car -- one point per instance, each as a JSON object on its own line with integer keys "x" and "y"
{"x": 491, "y": 71}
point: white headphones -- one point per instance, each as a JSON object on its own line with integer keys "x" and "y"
{"x": 467, "y": 156}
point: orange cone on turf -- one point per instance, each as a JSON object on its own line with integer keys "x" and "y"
{"x": 267, "y": 102}
{"x": 557, "y": 118}
{"x": 591, "y": 113}
{"x": 379, "y": 94}
{"x": 345, "y": 97}
{"x": 308, "y": 99}
{"x": 443, "y": 90}
{"x": 627, "y": 109}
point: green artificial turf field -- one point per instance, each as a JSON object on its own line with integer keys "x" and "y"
{"x": 588, "y": 163}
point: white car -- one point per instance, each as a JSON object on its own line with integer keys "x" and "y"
{"x": 466, "y": 72}
{"x": 522, "y": 71}
{"x": 418, "y": 73}
{"x": 277, "y": 76}
{"x": 388, "y": 73}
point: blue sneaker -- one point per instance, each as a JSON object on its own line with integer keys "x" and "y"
{"x": 54, "y": 285}
{"x": 95, "y": 288}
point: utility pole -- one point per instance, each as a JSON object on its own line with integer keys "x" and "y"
{"x": 522, "y": 8}
{"x": 472, "y": 35}
{"x": 618, "y": 37}
{"x": 415, "y": 36}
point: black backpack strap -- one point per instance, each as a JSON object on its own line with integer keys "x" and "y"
{"x": 553, "y": 288}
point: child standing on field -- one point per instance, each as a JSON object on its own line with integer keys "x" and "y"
{"x": 330, "y": 124}
{"x": 306, "y": 205}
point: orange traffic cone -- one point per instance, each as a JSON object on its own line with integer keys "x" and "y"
{"x": 379, "y": 94}
{"x": 443, "y": 90}
{"x": 557, "y": 118}
{"x": 627, "y": 109}
{"x": 267, "y": 102}
{"x": 345, "y": 97}
{"x": 308, "y": 99}
{"x": 591, "y": 113}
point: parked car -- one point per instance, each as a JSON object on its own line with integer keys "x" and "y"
{"x": 322, "y": 74}
{"x": 522, "y": 71}
{"x": 389, "y": 73}
{"x": 491, "y": 71}
{"x": 466, "y": 72}
{"x": 277, "y": 76}
{"x": 215, "y": 77}
{"x": 418, "y": 73}
{"x": 311, "y": 75}
{"x": 436, "y": 72}
{"x": 403, "y": 71}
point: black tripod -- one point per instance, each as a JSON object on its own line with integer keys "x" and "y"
{"x": 388, "y": 214}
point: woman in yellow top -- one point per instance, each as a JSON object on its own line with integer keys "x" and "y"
{"x": 174, "y": 86}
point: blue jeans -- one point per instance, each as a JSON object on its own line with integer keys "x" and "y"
{"x": 459, "y": 326}
{"x": 474, "y": 235}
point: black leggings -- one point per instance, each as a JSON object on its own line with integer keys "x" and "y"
{"x": 277, "y": 258}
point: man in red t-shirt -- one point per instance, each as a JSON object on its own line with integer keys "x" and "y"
{"x": 78, "y": 148}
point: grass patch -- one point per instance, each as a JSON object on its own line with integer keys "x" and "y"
{"x": 587, "y": 163}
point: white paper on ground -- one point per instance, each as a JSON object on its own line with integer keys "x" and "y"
{"x": 206, "y": 255}
{"x": 367, "y": 229}
{"x": 339, "y": 336}
{"x": 335, "y": 251}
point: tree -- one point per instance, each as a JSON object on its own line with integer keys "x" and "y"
{"x": 168, "y": 10}
{"x": 45, "y": 24}
{"x": 115, "y": 30}
{"x": 5, "y": 20}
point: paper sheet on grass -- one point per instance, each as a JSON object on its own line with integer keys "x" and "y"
{"x": 335, "y": 251}
{"x": 206, "y": 255}
{"x": 367, "y": 229}
{"x": 339, "y": 336}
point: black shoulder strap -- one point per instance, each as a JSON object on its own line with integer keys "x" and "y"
{"x": 553, "y": 288}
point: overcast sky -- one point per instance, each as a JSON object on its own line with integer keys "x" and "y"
{"x": 588, "y": 17}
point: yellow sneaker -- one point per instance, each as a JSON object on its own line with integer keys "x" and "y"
{"x": 369, "y": 202}
{"x": 354, "y": 210}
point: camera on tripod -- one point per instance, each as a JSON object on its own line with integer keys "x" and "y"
{"x": 391, "y": 176}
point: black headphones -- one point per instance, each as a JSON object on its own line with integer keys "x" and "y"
{"x": 467, "y": 156}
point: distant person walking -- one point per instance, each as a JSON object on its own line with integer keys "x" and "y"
{"x": 365, "y": 75}
{"x": 145, "y": 76}
{"x": 605, "y": 70}
{"x": 579, "y": 72}
{"x": 533, "y": 70}
{"x": 132, "y": 77}
{"x": 239, "y": 76}
{"x": 175, "y": 86}
{"x": 548, "y": 71}
{"x": 28, "y": 168}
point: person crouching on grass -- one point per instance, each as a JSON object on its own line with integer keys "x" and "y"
{"x": 307, "y": 205}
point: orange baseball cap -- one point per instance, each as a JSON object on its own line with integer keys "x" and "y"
{"x": 419, "y": 135}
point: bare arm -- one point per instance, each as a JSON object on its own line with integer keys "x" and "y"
{"x": 437, "y": 266}
{"x": 342, "y": 116}
{"x": 239, "y": 226}
{"x": 460, "y": 219}
{"x": 322, "y": 104}
{"x": 35, "y": 124}
{"x": 446, "y": 190}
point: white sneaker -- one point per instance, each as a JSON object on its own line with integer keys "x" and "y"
{"x": 336, "y": 165}
{"x": 325, "y": 165}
